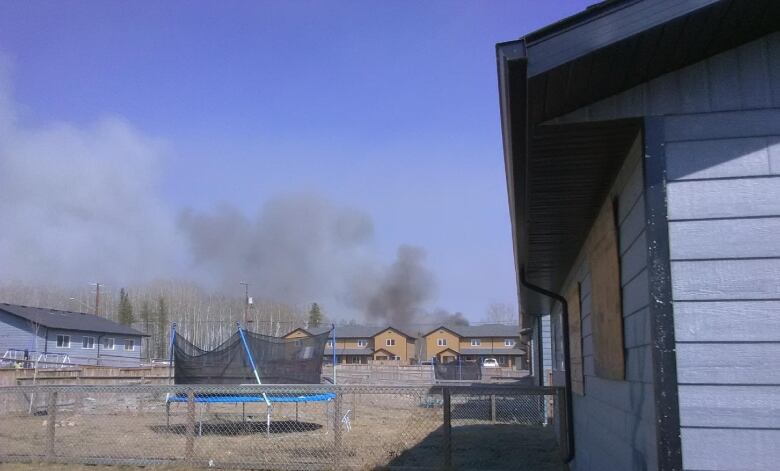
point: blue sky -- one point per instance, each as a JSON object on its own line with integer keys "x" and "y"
{"x": 388, "y": 107}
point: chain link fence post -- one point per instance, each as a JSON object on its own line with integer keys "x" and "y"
{"x": 493, "y": 408}
{"x": 51, "y": 414}
{"x": 189, "y": 446}
{"x": 337, "y": 430}
{"x": 447, "y": 429}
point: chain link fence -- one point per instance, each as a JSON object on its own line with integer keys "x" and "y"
{"x": 285, "y": 427}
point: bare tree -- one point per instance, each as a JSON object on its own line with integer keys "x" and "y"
{"x": 502, "y": 313}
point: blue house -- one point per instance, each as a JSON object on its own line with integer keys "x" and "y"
{"x": 52, "y": 337}
{"x": 642, "y": 151}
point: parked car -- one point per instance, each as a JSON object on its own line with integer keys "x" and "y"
{"x": 490, "y": 363}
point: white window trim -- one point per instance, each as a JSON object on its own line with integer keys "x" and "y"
{"x": 64, "y": 345}
{"x": 113, "y": 343}
{"x": 509, "y": 342}
{"x": 441, "y": 342}
{"x": 84, "y": 340}
{"x": 476, "y": 342}
{"x": 389, "y": 342}
{"x": 362, "y": 343}
{"x": 329, "y": 343}
{"x": 132, "y": 347}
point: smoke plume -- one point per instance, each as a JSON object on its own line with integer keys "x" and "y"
{"x": 83, "y": 203}
{"x": 396, "y": 294}
{"x": 442, "y": 316}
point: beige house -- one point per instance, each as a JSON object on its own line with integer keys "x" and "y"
{"x": 357, "y": 344}
{"x": 474, "y": 343}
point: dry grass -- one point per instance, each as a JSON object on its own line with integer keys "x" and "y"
{"x": 387, "y": 430}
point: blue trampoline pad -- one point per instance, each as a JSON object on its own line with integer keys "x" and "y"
{"x": 227, "y": 398}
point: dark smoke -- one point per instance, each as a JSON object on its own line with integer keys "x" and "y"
{"x": 442, "y": 316}
{"x": 397, "y": 293}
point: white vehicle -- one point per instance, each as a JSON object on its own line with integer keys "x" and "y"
{"x": 490, "y": 363}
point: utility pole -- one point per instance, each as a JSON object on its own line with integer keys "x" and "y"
{"x": 97, "y": 297}
{"x": 246, "y": 302}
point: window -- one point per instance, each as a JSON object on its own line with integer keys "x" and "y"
{"x": 475, "y": 342}
{"x": 396, "y": 357}
{"x": 63, "y": 341}
{"x": 389, "y": 342}
{"x": 88, "y": 342}
{"x": 381, "y": 357}
{"x": 129, "y": 345}
{"x": 108, "y": 343}
{"x": 362, "y": 343}
{"x": 329, "y": 343}
{"x": 441, "y": 342}
{"x": 509, "y": 342}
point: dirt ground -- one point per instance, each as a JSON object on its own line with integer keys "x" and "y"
{"x": 383, "y": 430}
{"x": 75, "y": 467}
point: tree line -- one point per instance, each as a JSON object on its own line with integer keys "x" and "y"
{"x": 205, "y": 318}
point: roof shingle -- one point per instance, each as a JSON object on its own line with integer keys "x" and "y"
{"x": 68, "y": 320}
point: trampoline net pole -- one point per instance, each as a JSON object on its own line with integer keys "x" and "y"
{"x": 252, "y": 362}
{"x": 170, "y": 351}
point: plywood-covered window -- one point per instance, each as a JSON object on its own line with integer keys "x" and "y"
{"x": 574, "y": 301}
{"x": 604, "y": 260}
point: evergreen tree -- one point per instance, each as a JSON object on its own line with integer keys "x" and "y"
{"x": 146, "y": 318}
{"x": 162, "y": 327}
{"x": 125, "y": 308}
{"x": 315, "y": 315}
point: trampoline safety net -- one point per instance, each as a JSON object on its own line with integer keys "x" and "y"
{"x": 457, "y": 371}
{"x": 278, "y": 361}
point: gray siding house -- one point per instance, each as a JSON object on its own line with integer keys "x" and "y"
{"x": 52, "y": 337}
{"x": 642, "y": 148}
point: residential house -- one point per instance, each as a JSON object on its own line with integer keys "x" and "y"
{"x": 359, "y": 344}
{"x": 448, "y": 343}
{"x": 51, "y": 335}
{"x": 642, "y": 151}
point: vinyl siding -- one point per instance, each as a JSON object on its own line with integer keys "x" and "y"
{"x": 614, "y": 421}
{"x": 116, "y": 357}
{"x": 722, "y": 127}
{"x": 18, "y": 333}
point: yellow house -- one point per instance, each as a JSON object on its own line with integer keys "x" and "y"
{"x": 392, "y": 344}
{"x": 358, "y": 344}
{"x": 474, "y": 343}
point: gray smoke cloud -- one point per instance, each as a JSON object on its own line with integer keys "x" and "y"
{"x": 78, "y": 203}
{"x": 297, "y": 248}
{"x": 83, "y": 203}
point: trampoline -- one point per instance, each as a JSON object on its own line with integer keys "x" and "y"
{"x": 279, "y": 361}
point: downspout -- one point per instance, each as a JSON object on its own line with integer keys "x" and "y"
{"x": 566, "y": 359}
